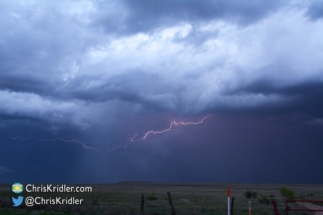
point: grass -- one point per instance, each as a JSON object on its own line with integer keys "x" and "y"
{"x": 124, "y": 198}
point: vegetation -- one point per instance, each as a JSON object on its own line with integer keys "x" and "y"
{"x": 287, "y": 193}
{"x": 125, "y": 198}
{"x": 151, "y": 197}
{"x": 250, "y": 194}
{"x": 263, "y": 200}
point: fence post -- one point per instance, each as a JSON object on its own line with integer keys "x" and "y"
{"x": 249, "y": 206}
{"x": 142, "y": 204}
{"x": 171, "y": 204}
{"x": 232, "y": 203}
{"x": 97, "y": 203}
{"x": 275, "y": 207}
{"x": 228, "y": 201}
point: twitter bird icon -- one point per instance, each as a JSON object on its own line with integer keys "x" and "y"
{"x": 17, "y": 201}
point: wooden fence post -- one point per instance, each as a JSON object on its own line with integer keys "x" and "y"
{"x": 97, "y": 203}
{"x": 232, "y": 203}
{"x": 275, "y": 207}
{"x": 249, "y": 207}
{"x": 229, "y": 201}
{"x": 142, "y": 204}
{"x": 171, "y": 204}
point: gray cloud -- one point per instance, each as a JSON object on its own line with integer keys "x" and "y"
{"x": 67, "y": 61}
{"x": 142, "y": 16}
{"x": 315, "y": 10}
{"x": 102, "y": 71}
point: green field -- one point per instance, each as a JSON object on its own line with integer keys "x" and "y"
{"x": 125, "y": 197}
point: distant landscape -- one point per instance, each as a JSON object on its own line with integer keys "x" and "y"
{"x": 205, "y": 198}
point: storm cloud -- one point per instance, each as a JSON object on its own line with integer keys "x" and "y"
{"x": 101, "y": 71}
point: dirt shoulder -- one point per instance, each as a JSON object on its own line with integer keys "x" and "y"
{"x": 312, "y": 207}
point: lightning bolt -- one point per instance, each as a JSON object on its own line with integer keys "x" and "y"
{"x": 131, "y": 139}
{"x": 69, "y": 141}
{"x": 79, "y": 142}
{"x": 172, "y": 124}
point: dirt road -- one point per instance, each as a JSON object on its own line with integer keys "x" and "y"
{"x": 312, "y": 207}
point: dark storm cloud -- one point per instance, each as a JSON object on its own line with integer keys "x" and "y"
{"x": 315, "y": 10}
{"x": 299, "y": 97}
{"x": 38, "y": 44}
{"x": 267, "y": 87}
{"x": 59, "y": 62}
{"x": 101, "y": 72}
{"x": 142, "y": 16}
{"x": 134, "y": 87}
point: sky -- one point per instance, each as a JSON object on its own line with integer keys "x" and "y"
{"x": 84, "y": 83}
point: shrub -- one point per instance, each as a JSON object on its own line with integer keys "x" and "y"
{"x": 151, "y": 197}
{"x": 288, "y": 194}
{"x": 250, "y": 194}
{"x": 263, "y": 200}
{"x": 301, "y": 197}
{"x": 254, "y": 195}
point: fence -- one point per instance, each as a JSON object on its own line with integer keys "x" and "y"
{"x": 302, "y": 209}
{"x": 142, "y": 205}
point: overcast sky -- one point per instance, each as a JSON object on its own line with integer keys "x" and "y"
{"x": 102, "y": 72}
